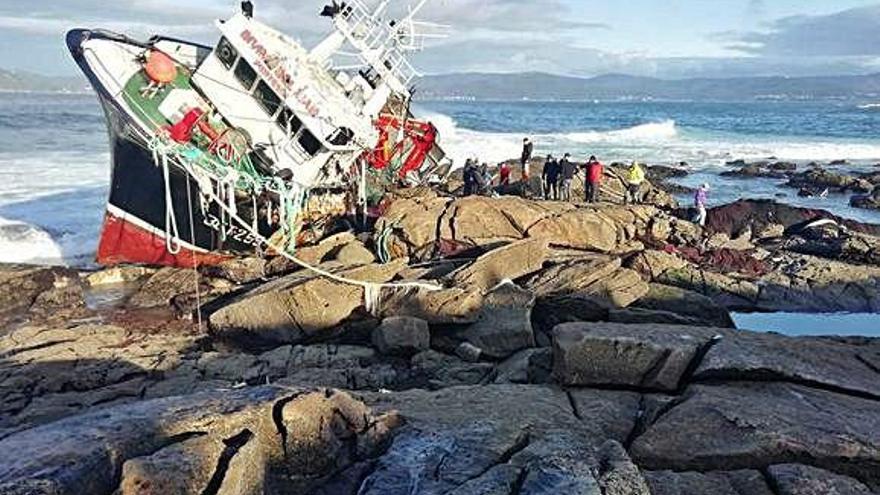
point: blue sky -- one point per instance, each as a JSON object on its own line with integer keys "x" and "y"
{"x": 672, "y": 39}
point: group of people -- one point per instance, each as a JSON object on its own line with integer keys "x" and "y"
{"x": 558, "y": 176}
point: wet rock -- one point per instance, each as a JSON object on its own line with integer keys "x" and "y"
{"x": 295, "y": 308}
{"x": 402, "y": 336}
{"x": 819, "y": 179}
{"x": 651, "y": 357}
{"x": 161, "y": 288}
{"x": 510, "y": 262}
{"x": 755, "y": 170}
{"x": 744, "y": 482}
{"x": 121, "y": 274}
{"x": 38, "y": 291}
{"x": 867, "y": 201}
{"x": 504, "y": 323}
{"x": 797, "y": 479}
{"x": 748, "y": 425}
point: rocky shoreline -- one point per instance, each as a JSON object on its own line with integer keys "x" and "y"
{"x": 570, "y": 349}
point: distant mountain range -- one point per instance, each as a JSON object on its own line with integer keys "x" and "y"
{"x": 28, "y": 81}
{"x": 540, "y": 86}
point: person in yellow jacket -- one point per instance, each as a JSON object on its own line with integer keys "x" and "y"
{"x": 635, "y": 176}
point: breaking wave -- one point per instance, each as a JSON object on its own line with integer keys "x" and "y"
{"x": 648, "y": 132}
{"x": 654, "y": 142}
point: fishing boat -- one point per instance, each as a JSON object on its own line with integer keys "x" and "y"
{"x": 256, "y": 144}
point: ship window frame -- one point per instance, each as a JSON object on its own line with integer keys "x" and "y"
{"x": 313, "y": 145}
{"x": 271, "y": 107}
{"x": 225, "y": 43}
{"x": 242, "y": 63}
{"x": 287, "y": 116}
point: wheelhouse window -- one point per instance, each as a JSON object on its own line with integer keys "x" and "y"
{"x": 245, "y": 74}
{"x": 267, "y": 98}
{"x": 226, "y": 53}
{"x": 289, "y": 122}
{"x": 341, "y": 137}
{"x": 309, "y": 143}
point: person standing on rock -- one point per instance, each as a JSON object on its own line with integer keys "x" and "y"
{"x": 525, "y": 158}
{"x": 550, "y": 178}
{"x": 469, "y": 175}
{"x": 635, "y": 176}
{"x": 593, "y": 182}
{"x": 701, "y": 197}
{"x": 567, "y": 171}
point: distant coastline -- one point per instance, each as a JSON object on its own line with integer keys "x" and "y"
{"x": 543, "y": 87}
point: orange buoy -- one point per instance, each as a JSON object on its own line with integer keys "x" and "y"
{"x": 160, "y": 68}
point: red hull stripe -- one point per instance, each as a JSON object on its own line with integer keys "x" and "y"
{"x": 125, "y": 242}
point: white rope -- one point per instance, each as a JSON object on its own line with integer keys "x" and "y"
{"x": 192, "y": 233}
{"x": 372, "y": 290}
{"x": 172, "y": 235}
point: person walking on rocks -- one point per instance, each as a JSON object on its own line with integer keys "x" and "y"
{"x": 593, "y": 182}
{"x": 701, "y": 197}
{"x": 525, "y": 158}
{"x": 635, "y": 176}
{"x": 567, "y": 171}
{"x": 550, "y": 178}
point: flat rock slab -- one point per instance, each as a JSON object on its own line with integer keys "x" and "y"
{"x": 296, "y": 308}
{"x": 510, "y": 262}
{"x": 797, "y": 479}
{"x": 826, "y": 362}
{"x": 745, "y": 482}
{"x": 489, "y": 439}
{"x": 753, "y": 425}
{"x": 651, "y": 357}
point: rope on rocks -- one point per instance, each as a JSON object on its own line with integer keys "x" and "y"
{"x": 164, "y": 152}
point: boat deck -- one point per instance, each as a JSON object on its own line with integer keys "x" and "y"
{"x": 147, "y": 108}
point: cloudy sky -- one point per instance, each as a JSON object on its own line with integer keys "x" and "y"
{"x": 663, "y": 38}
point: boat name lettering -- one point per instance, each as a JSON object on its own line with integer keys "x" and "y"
{"x": 231, "y": 231}
{"x": 271, "y": 68}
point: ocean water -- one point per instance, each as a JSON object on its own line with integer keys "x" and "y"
{"x": 54, "y": 175}
{"x": 54, "y": 159}
{"x": 703, "y": 135}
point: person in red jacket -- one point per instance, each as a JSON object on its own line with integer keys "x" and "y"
{"x": 595, "y": 173}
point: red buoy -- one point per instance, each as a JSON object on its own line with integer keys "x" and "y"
{"x": 160, "y": 68}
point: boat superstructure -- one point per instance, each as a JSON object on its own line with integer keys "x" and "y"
{"x": 217, "y": 149}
